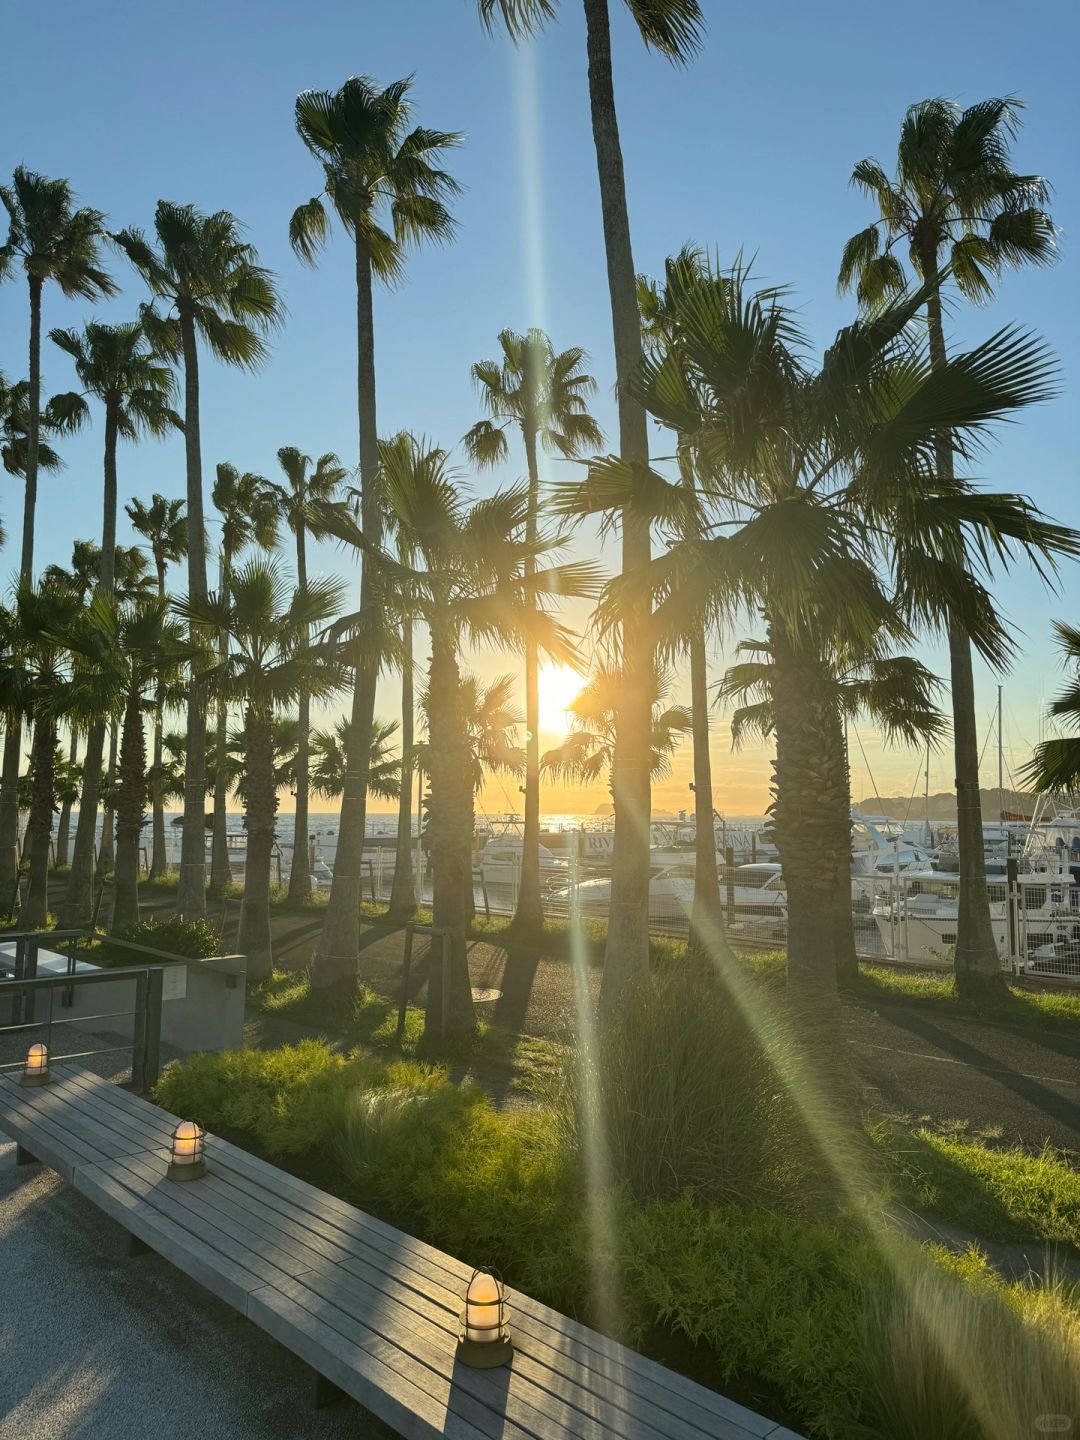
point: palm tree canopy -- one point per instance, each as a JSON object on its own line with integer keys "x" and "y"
{"x": 329, "y": 749}
{"x": 130, "y": 571}
{"x": 674, "y": 27}
{"x": 381, "y": 176}
{"x": 248, "y": 510}
{"x": 203, "y": 270}
{"x": 1055, "y": 765}
{"x": 954, "y": 193}
{"x": 122, "y": 650}
{"x": 60, "y": 415}
{"x": 544, "y": 393}
{"x": 163, "y": 524}
{"x": 589, "y": 749}
{"x": 113, "y": 364}
{"x": 308, "y": 486}
{"x": 491, "y": 724}
{"x": 51, "y": 238}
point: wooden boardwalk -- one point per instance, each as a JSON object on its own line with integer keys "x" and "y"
{"x": 369, "y": 1308}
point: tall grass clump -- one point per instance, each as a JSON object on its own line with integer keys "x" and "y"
{"x": 691, "y": 1098}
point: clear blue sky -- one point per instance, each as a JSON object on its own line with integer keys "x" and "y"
{"x": 750, "y": 147}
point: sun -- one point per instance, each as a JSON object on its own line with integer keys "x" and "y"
{"x": 559, "y": 686}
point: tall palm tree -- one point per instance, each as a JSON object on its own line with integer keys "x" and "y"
{"x": 826, "y": 489}
{"x": 384, "y": 182}
{"x": 674, "y": 28}
{"x": 545, "y": 396}
{"x": 53, "y": 241}
{"x": 125, "y": 654}
{"x": 137, "y": 392}
{"x": 248, "y": 517}
{"x": 329, "y": 752}
{"x": 466, "y": 580}
{"x": 163, "y": 525}
{"x": 308, "y": 487}
{"x": 965, "y": 214}
{"x": 211, "y": 287}
{"x": 1055, "y": 765}
{"x": 896, "y": 692}
{"x": 267, "y": 622}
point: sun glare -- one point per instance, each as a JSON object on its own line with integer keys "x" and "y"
{"x": 559, "y": 687}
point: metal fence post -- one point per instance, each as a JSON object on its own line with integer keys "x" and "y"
{"x": 155, "y": 981}
{"x": 406, "y": 969}
{"x": 139, "y": 1036}
{"x": 445, "y": 983}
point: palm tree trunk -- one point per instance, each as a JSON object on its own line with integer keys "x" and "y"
{"x": 529, "y": 914}
{"x": 39, "y": 825}
{"x": 158, "y": 857}
{"x": 9, "y": 778}
{"x": 260, "y": 808}
{"x": 63, "y": 829}
{"x": 78, "y": 907}
{"x": 107, "y": 852}
{"x": 706, "y": 932}
{"x": 220, "y": 871}
{"x": 191, "y": 891}
{"x": 811, "y": 818}
{"x": 107, "y": 560}
{"x": 403, "y": 891}
{"x": 627, "y": 951}
{"x": 337, "y": 958}
{"x": 450, "y": 782}
{"x": 300, "y": 874}
{"x": 129, "y": 809}
{"x": 977, "y": 962}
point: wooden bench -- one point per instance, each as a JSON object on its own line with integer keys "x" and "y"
{"x": 373, "y": 1311}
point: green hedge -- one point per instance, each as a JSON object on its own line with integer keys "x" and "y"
{"x": 808, "y": 1309}
{"x": 186, "y": 939}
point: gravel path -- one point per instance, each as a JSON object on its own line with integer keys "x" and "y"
{"x": 98, "y": 1346}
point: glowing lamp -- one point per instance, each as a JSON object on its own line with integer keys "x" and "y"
{"x": 484, "y": 1341}
{"x": 187, "y": 1158}
{"x": 36, "y": 1069}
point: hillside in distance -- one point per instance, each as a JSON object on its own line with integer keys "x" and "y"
{"x": 1017, "y": 805}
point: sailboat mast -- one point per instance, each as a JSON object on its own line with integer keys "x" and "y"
{"x": 1001, "y": 770}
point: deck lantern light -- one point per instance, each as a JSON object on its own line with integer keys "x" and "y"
{"x": 36, "y": 1070}
{"x": 484, "y": 1341}
{"x": 187, "y": 1158}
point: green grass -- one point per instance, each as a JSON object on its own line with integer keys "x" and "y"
{"x": 938, "y": 991}
{"x": 1007, "y": 1195}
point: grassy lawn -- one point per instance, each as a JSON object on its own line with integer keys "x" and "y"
{"x": 1017, "y": 1007}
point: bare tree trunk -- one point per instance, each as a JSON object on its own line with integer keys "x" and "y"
{"x": 706, "y": 931}
{"x": 191, "y": 891}
{"x": 529, "y": 913}
{"x": 978, "y": 965}
{"x": 220, "y": 870}
{"x": 300, "y": 874}
{"x": 337, "y": 958}
{"x": 159, "y": 863}
{"x": 627, "y": 951}
{"x": 9, "y": 778}
{"x": 130, "y": 811}
{"x": 450, "y": 778}
{"x": 35, "y": 911}
{"x": 260, "y": 808}
{"x": 78, "y": 906}
{"x": 403, "y": 891}
{"x": 63, "y": 829}
{"x": 107, "y": 850}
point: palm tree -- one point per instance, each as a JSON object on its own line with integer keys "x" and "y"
{"x": 248, "y": 517}
{"x": 964, "y": 213}
{"x": 35, "y": 682}
{"x": 306, "y": 489}
{"x": 136, "y": 391}
{"x": 544, "y": 395}
{"x": 383, "y": 181}
{"x": 163, "y": 526}
{"x": 267, "y": 622}
{"x": 587, "y": 753}
{"x": 896, "y": 692}
{"x": 821, "y": 482}
{"x": 467, "y": 580}
{"x": 674, "y": 28}
{"x": 1055, "y": 765}
{"x": 329, "y": 751}
{"x": 212, "y": 288}
{"x": 125, "y": 655}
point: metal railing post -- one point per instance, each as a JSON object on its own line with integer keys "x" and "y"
{"x": 155, "y": 982}
{"x": 139, "y": 1036}
{"x": 406, "y": 969}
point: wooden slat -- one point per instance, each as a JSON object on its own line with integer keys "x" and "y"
{"x": 100, "y": 1098}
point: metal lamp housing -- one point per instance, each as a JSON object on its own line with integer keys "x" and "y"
{"x": 187, "y": 1157}
{"x": 36, "y": 1069}
{"x": 484, "y": 1340}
